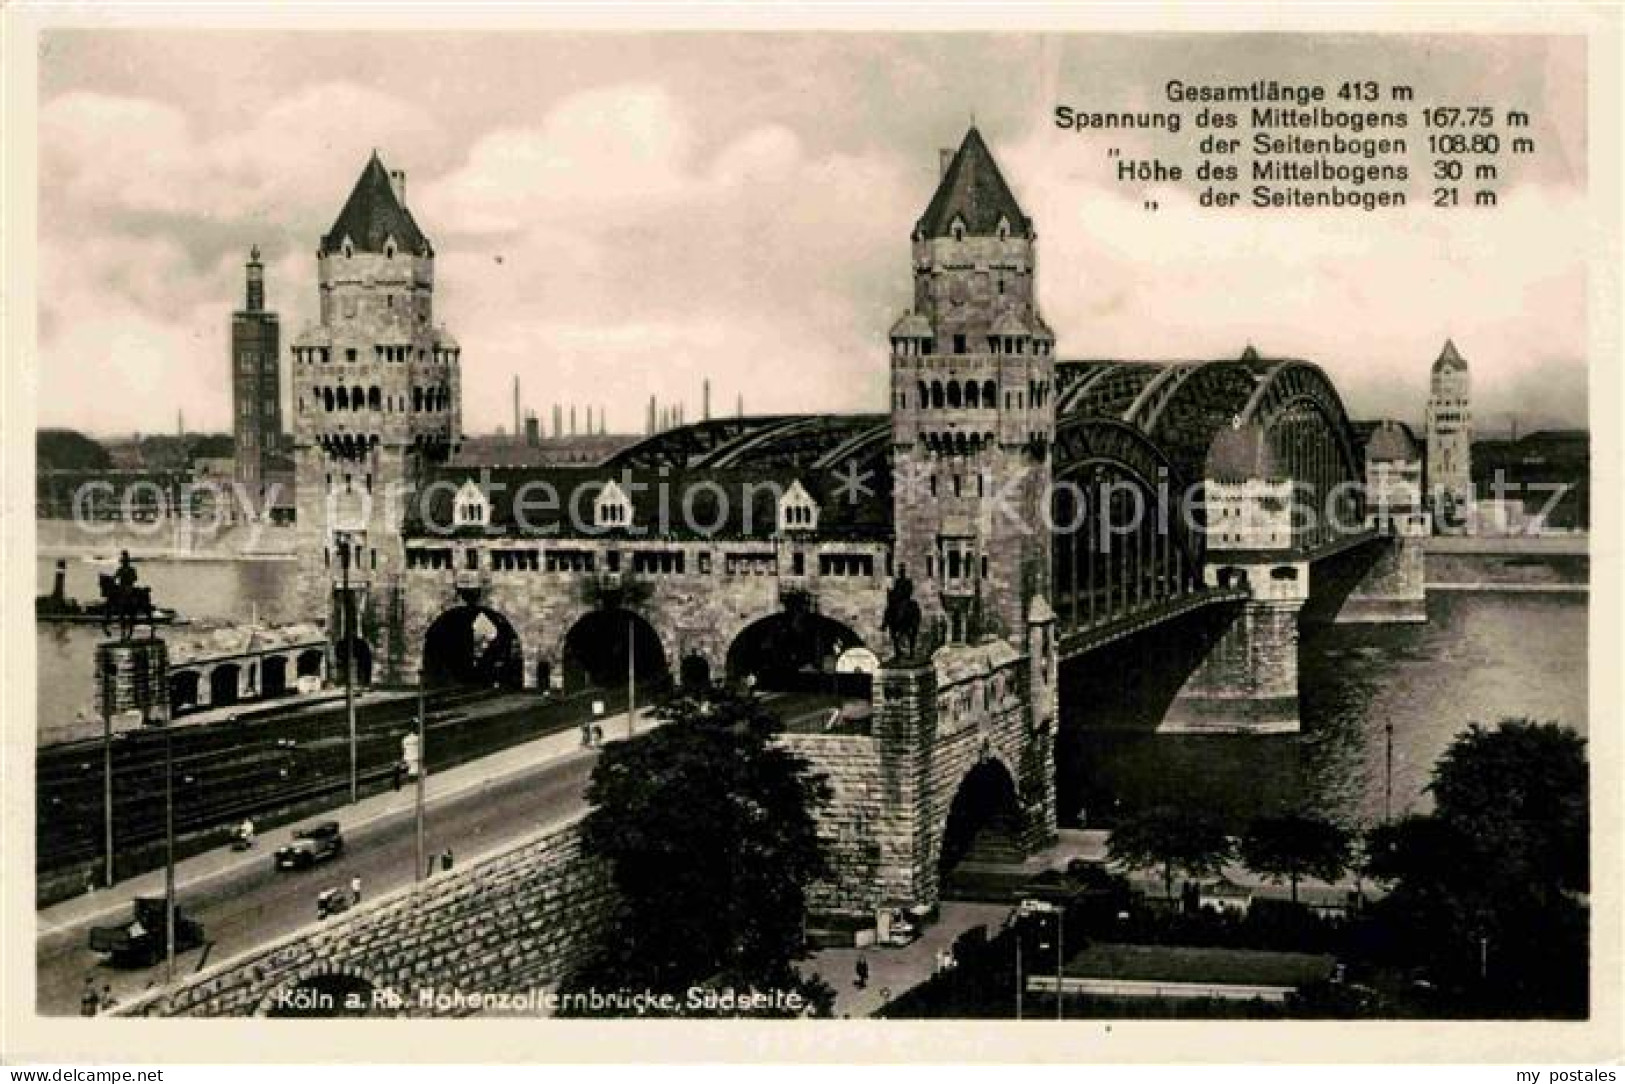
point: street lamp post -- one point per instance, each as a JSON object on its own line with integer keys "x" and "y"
{"x": 1019, "y": 990}
{"x": 422, "y": 773}
{"x": 344, "y": 542}
{"x": 1060, "y": 961}
{"x": 631, "y": 671}
{"x": 107, "y": 793}
{"x": 169, "y": 855}
{"x": 1388, "y": 773}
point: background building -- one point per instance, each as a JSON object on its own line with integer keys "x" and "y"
{"x": 256, "y": 340}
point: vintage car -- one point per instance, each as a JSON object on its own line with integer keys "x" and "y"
{"x": 143, "y": 939}
{"x": 310, "y": 845}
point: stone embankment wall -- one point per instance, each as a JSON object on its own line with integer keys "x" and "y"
{"x": 520, "y": 919}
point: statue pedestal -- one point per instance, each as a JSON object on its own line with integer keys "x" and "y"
{"x": 133, "y": 675}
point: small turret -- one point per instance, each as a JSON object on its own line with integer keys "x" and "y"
{"x": 254, "y": 300}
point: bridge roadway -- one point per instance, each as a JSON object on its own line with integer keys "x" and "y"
{"x": 1117, "y": 625}
{"x": 243, "y": 901}
{"x": 1079, "y": 638}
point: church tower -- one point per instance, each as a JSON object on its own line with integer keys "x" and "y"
{"x": 973, "y": 413}
{"x": 1450, "y": 441}
{"x": 377, "y": 399}
{"x": 256, "y": 418}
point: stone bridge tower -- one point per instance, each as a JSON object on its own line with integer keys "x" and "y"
{"x": 1450, "y": 441}
{"x": 377, "y": 399}
{"x": 973, "y": 414}
{"x": 968, "y": 734}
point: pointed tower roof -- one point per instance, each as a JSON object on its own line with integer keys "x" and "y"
{"x": 1240, "y": 452}
{"x": 373, "y": 214}
{"x": 973, "y": 191}
{"x": 1449, "y": 358}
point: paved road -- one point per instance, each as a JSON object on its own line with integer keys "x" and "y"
{"x": 252, "y": 905}
{"x": 242, "y": 901}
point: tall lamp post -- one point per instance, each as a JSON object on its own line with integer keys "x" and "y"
{"x": 107, "y": 792}
{"x": 631, "y": 671}
{"x": 422, "y": 772}
{"x": 1388, "y": 774}
{"x": 169, "y": 854}
{"x": 342, "y": 539}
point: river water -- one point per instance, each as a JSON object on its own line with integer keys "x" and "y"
{"x": 1481, "y": 657}
{"x": 202, "y": 591}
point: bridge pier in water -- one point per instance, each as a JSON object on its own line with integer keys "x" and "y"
{"x": 1392, "y": 587}
{"x": 1248, "y": 680}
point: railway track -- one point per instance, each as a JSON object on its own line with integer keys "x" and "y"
{"x": 250, "y": 767}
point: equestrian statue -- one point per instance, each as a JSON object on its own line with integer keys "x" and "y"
{"x": 123, "y": 601}
{"x": 902, "y": 618}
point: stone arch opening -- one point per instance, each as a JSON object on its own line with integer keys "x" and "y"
{"x": 473, "y": 645}
{"x": 326, "y": 994}
{"x": 274, "y": 675}
{"x": 223, "y": 681}
{"x": 694, "y": 672}
{"x": 362, "y": 652}
{"x": 984, "y": 821}
{"x": 183, "y": 689}
{"x": 796, "y": 650}
{"x": 597, "y": 646}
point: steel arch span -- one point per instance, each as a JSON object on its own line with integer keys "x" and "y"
{"x": 1122, "y": 535}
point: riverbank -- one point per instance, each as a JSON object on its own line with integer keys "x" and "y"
{"x": 166, "y": 540}
{"x": 1574, "y": 545}
{"x": 1532, "y": 571}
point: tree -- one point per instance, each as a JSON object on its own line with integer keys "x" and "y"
{"x": 708, "y": 828}
{"x": 1171, "y": 839}
{"x": 68, "y": 449}
{"x": 1521, "y": 790}
{"x": 1293, "y": 846}
{"x": 212, "y": 446}
{"x": 1486, "y": 890}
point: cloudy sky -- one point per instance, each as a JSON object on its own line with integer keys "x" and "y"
{"x": 620, "y": 215}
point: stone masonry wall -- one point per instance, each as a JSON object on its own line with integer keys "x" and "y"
{"x": 520, "y": 919}
{"x": 1248, "y": 682}
{"x": 933, "y": 723}
{"x": 865, "y": 827}
{"x": 693, "y": 613}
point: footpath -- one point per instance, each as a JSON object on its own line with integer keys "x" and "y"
{"x": 107, "y": 905}
{"x": 895, "y": 970}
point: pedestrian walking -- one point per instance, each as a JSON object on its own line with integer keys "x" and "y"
{"x": 445, "y": 859}
{"x": 862, "y": 979}
{"x": 586, "y": 735}
{"x": 355, "y": 890}
{"x": 597, "y": 734}
{"x": 108, "y": 1001}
